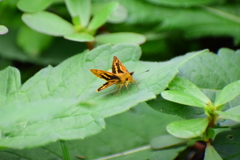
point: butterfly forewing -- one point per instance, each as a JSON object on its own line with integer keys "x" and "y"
{"x": 117, "y": 66}
{"x": 104, "y": 74}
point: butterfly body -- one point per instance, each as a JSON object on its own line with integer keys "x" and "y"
{"x": 119, "y": 76}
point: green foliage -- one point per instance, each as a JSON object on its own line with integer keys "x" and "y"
{"x": 48, "y": 101}
{"x": 57, "y": 82}
{"x": 134, "y": 135}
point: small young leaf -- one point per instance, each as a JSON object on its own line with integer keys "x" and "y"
{"x": 33, "y": 6}
{"x": 80, "y": 9}
{"x": 101, "y": 17}
{"x": 48, "y": 23}
{"x": 121, "y": 37}
{"x": 80, "y": 37}
{"x": 182, "y": 98}
{"x": 188, "y": 128}
{"x": 188, "y": 87}
{"x": 233, "y": 114}
{"x": 211, "y": 153}
{"x": 228, "y": 93}
{"x": 166, "y": 141}
{"x": 3, "y": 30}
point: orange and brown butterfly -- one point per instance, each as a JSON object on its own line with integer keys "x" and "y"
{"x": 119, "y": 76}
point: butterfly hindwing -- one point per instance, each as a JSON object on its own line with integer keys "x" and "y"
{"x": 105, "y": 85}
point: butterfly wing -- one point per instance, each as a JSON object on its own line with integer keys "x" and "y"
{"x": 117, "y": 66}
{"x": 104, "y": 74}
{"x": 107, "y": 76}
{"x": 105, "y": 85}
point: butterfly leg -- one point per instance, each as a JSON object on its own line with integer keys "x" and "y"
{"x": 120, "y": 87}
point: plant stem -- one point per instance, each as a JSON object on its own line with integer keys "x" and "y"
{"x": 65, "y": 150}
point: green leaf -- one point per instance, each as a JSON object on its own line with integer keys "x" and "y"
{"x": 101, "y": 17}
{"x": 32, "y": 42}
{"x": 182, "y": 98}
{"x": 184, "y": 92}
{"x": 119, "y": 15}
{"x": 186, "y": 86}
{"x": 220, "y": 68}
{"x": 227, "y": 144}
{"x": 33, "y": 112}
{"x": 211, "y": 153}
{"x": 3, "y": 30}
{"x": 30, "y": 6}
{"x": 126, "y": 125}
{"x": 233, "y": 114}
{"x": 166, "y": 141}
{"x": 188, "y": 128}
{"x": 228, "y": 93}
{"x": 72, "y": 79}
{"x": 80, "y": 9}
{"x": 47, "y": 23}
{"x": 80, "y": 37}
{"x": 121, "y": 37}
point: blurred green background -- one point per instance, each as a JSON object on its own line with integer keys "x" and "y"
{"x": 171, "y": 28}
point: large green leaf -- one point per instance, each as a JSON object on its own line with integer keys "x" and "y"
{"x": 227, "y": 144}
{"x": 73, "y": 79}
{"x": 48, "y": 23}
{"x": 135, "y": 138}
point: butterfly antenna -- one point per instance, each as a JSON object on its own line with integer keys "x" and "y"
{"x": 142, "y": 72}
